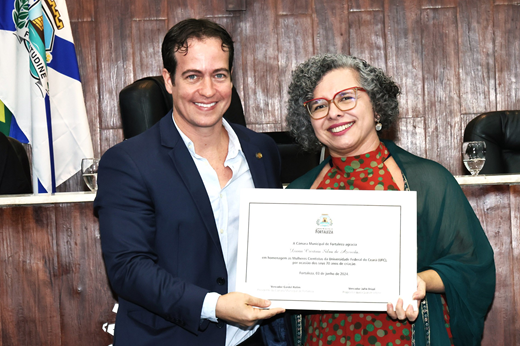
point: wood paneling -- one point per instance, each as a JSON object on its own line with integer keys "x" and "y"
{"x": 441, "y": 85}
{"x": 439, "y": 3}
{"x": 331, "y": 34}
{"x": 507, "y": 55}
{"x": 147, "y": 37}
{"x": 293, "y": 47}
{"x": 515, "y": 230}
{"x": 411, "y": 135}
{"x": 404, "y": 55}
{"x": 366, "y": 5}
{"x": 149, "y": 10}
{"x": 109, "y": 138}
{"x": 290, "y": 7}
{"x": 451, "y": 58}
{"x": 260, "y": 62}
{"x": 85, "y": 41}
{"x": 85, "y": 298}
{"x": 82, "y": 11}
{"x": 367, "y": 37}
{"x": 502, "y": 316}
{"x": 476, "y": 56}
{"x": 115, "y": 53}
{"x": 236, "y": 5}
{"x": 30, "y": 313}
{"x": 53, "y": 287}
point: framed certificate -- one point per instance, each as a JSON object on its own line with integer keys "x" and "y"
{"x": 328, "y": 249}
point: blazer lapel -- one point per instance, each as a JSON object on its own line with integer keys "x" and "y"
{"x": 254, "y": 159}
{"x": 187, "y": 171}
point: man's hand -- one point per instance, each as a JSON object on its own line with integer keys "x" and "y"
{"x": 243, "y": 309}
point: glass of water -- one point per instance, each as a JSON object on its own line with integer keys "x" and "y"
{"x": 89, "y": 169}
{"x": 474, "y": 156}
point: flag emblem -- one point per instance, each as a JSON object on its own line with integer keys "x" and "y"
{"x": 40, "y": 90}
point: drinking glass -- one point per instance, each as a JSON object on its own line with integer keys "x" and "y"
{"x": 89, "y": 169}
{"x": 474, "y": 156}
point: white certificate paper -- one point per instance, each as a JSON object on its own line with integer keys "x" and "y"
{"x": 328, "y": 249}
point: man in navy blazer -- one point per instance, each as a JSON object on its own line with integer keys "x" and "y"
{"x": 168, "y": 204}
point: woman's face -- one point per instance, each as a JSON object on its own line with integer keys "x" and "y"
{"x": 345, "y": 133}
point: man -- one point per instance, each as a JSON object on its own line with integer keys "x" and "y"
{"x": 168, "y": 204}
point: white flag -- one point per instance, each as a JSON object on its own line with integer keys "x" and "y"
{"x": 41, "y": 88}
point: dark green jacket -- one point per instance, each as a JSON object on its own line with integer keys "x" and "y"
{"x": 451, "y": 241}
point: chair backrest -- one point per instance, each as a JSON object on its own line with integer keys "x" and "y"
{"x": 146, "y": 101}
{"x": 15, "y": 171}
{"x": 501, "y": 132}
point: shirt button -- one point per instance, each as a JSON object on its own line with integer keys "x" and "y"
{"x": 221, "y": 231}
{"x": 221, "y": 281}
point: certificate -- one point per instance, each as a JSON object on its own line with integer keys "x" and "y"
{"x": 328, "y": 249}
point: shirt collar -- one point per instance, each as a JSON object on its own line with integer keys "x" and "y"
{"x": 234, "y": 146}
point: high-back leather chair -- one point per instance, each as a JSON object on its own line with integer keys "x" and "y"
{"x": 146, "y": 101}
{"x": 15, "y": 171}
{"x": 501, "y": 132}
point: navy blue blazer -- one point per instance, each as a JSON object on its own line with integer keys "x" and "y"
{"x": 158, "y": 234}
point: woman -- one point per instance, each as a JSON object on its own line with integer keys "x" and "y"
{"x": 341, "y": 102}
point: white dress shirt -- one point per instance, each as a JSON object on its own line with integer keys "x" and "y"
{"x": 225, "y": 203}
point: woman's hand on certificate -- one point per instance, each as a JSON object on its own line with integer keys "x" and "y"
{"x": 409, "y": 314}
{"x": 244, "y": 309}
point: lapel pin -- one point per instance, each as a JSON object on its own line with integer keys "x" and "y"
{"x": 259, "y": 155}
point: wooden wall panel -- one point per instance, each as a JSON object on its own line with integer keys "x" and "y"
{"x": 515, "y": 230}
{"x": 149, "y": 10}
{"x": 260, "y": 62}
{"x": 498, "y": 330}
{"x": 109, "y": 138}
{"x": 507, "y": 55}
{"x": 366, "y": 5}
{"x": 291, "y": 7}
{"x": 294, "y": 46}
{"x": 472, "y": 69}
{"x": 476, "y": 56}
{"x": 85, "y": 298}
{"x": 331, "y": 33}
{"x": 83, "y": 11}
{"x": 367, "y": 34}
{"x": 438, "y": 3}
{"x": 84, "y": 33}
{"x": 147, "y": 37}
{"x": 115, "y": 53}
{"x": 441, "y": 85}
{"x": 30, "y": 306}
{"x": 236, "y": 5}
{"x": 404, "y": 54}
{"x": 411, "y": 135}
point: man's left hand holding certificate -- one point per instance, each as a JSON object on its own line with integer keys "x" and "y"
{"x": 328, "y": 249}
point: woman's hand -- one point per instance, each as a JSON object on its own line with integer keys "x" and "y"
{"x": 409, "y": 314}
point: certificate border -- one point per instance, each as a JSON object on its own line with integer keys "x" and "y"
{"x": 328, "y": 204}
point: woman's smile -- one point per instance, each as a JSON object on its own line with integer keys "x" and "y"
{"x": 340, "y": 128}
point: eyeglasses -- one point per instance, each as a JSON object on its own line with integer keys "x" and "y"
{"x": 345, "y": 100}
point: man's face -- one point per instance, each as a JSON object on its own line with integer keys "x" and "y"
{"x": 202, "y": 86}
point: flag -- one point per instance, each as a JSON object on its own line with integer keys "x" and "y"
{"x": 40, "y": 90}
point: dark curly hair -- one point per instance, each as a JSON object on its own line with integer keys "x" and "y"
{"x": 381, "y": 89}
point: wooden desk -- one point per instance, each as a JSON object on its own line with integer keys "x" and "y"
{"x": 496, "y": 201}
{"x": 53, "y": 286}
